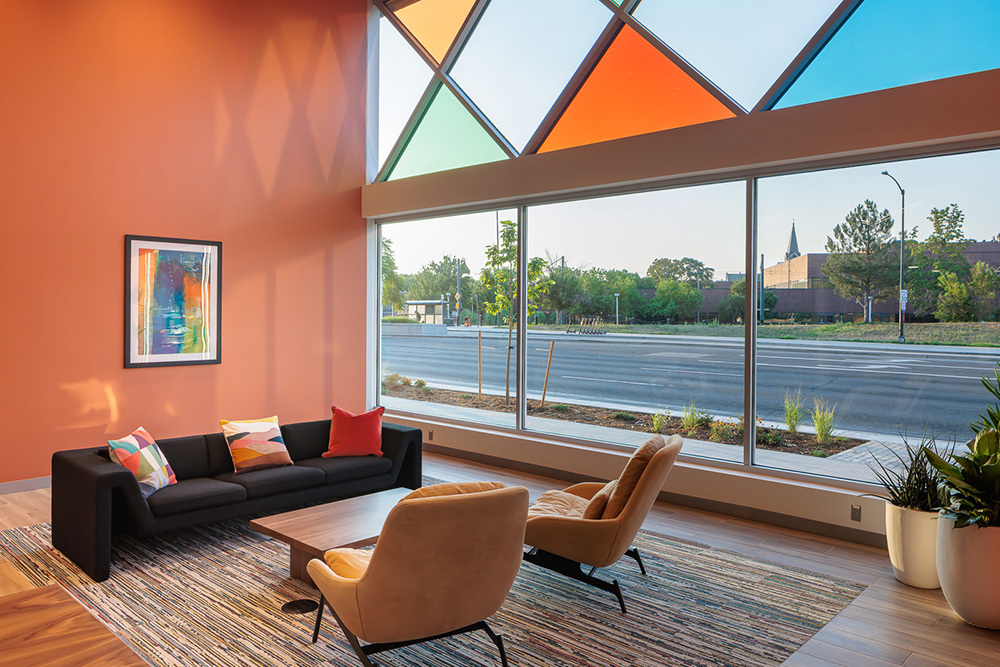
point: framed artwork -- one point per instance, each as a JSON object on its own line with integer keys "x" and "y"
{"x": 173, "y": 302}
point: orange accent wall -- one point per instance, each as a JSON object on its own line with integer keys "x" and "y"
{"x": 241, "y": 121}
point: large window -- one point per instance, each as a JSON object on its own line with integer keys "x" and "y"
{"x": 629, "y": 340}
{"x": 448, "y": 338}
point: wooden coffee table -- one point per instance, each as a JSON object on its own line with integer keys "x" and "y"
{"x": 354, "y": 522}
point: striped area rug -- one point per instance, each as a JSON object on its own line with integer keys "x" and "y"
{"x": 213, "y": 596}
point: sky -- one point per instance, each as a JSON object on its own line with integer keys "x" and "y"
{"x": 743, "y": 52}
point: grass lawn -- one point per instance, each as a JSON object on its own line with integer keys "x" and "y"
{"x": 984, "y": 334}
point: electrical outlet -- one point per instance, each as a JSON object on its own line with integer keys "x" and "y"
{"x": 430, "y": 437}
{"x": 855, "y": 512}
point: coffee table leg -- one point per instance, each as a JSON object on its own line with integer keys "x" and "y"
{"x": 297, "y": 565}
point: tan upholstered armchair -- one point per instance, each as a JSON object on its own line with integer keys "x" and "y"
{"x": 594, "y": 523}
{"x": 445, "y": 561}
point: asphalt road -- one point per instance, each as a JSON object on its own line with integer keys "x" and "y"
{"x": 877, "y": 389}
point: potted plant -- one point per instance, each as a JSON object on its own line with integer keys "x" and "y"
{"x": 913, "y": 499}
{"x": 968, "y": 546}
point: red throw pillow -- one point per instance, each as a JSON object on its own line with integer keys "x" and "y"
{"x": 355, "y": 435}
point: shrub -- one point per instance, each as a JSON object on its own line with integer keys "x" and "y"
{"x": 693, "y": 418}
{"x": 392, "y": 381}
{"x": 464, "y": 396}
{"x": 659, "y": 420}
{"x": 419, "y": 384}
{"x": 559, "y": 407}
{"x": 793, "y": 410}
{"x": 722, "y": 431}
{"x": 821, "y": 453}
{"x": 623, "y": 416}
{"x": 425, "y": 390}
{"x": 772, "y": 437}
{"x": 398, "y": 319}
{"x": 822, "y": 418}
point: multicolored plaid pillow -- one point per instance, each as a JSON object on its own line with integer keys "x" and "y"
{"x": 255, "y": 444}
{"x": 140, "y": 454}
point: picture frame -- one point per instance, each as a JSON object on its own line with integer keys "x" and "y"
{"x": 173, "y": 301}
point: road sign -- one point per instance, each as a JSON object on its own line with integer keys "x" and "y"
{"x": 902, "y": 295}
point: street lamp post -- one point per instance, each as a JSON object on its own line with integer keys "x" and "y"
{"x": 902, "y": 253}
{"x": 616, "y": 307}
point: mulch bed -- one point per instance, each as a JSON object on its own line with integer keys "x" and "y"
{"x": 781, "y": 441}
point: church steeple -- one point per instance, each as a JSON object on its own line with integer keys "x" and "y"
{"x": 793, "y": 245}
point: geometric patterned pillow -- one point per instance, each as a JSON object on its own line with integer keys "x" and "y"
{"x": 139, "y": 453}
{"x": 255, "y": 444}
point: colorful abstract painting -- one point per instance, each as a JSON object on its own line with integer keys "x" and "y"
{"x": 172, "y": 301}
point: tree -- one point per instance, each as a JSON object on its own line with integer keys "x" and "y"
{"x": 686, "y": 269}
{"x": 677, "y": 300}
{"x": 983, "y": 286}
{"x": 499, "y": 278}
{"x": 566, "y": 286}
{"x": 955, "y": 302}
{"x": 392, "y": 283}
{"x": 437, "y": 278}
{"x": 940, "y": 253}
{"x": 731, "y": 307}
{"x": 860, "y": 264}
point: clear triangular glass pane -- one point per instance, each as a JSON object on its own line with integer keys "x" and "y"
{"x": 447, "y": 137}
{"x": 742, "y": 47}
{"x": 889, "y": 43}
{"x": 521, "y": 56}
{"x": 402, "y": 80}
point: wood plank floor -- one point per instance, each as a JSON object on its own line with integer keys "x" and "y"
{"x": 888, "y": 624}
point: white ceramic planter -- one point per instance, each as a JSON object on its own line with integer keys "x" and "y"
{"x": 912, "y": 538}
{"x": 968, "y": 569}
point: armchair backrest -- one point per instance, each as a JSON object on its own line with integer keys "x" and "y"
{"x": 646, "y": 491}
{"x": 442, "y": 562}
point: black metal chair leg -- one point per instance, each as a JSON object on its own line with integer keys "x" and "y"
{"x": 319, "y": 618}
{"x": 634, "y": 553}
{"x": 498, "y": 640}
{"x": 573, "y": 570}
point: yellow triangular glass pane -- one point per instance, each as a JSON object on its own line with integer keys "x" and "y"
{"x": 434, "y": 23}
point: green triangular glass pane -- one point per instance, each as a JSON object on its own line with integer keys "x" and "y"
{"x": 446, "y": 137}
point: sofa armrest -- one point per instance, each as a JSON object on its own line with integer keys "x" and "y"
{"x": 85, "y": 486}
{"x": 404, "y": 446}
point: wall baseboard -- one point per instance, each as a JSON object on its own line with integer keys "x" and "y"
{"x": 25, "y": 485}
{"x": 727, "y": 509}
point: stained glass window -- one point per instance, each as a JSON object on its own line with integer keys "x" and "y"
{"x": 446, "y": 137}
{"x": 888, "y": 43}
{"x": 634, "y": 89}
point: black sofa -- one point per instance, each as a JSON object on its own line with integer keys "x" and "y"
{"x": 94, "y": 498}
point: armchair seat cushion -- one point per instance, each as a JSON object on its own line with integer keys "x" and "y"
{"x": 348, "y": 563}
{"x": 271, "y": 481}
{"x": 190, "y": 495}
{"x": 558, "y": 504}
{"x": 347, "y": 468}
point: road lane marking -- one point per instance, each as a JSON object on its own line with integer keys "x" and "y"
{"x": 682, "y": 370}
{"x": 577, "y": 377}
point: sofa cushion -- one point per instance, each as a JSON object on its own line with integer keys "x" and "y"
{"x": 195, "y": 494}
{"x": 595, "y": 508}
{"x": 139, "y": 453}
{"x": 255, "y": 444}
{"x": 306, "y": 440}
{"x": 188, "y": 456}
{"x": 347, "y": 468}
{"x": 271, "y": 481}
{"x": 355, "y": 435}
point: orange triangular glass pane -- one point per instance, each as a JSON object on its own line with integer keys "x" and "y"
{"x": 634, "y": 89}
{"x": 434, "y": 23}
